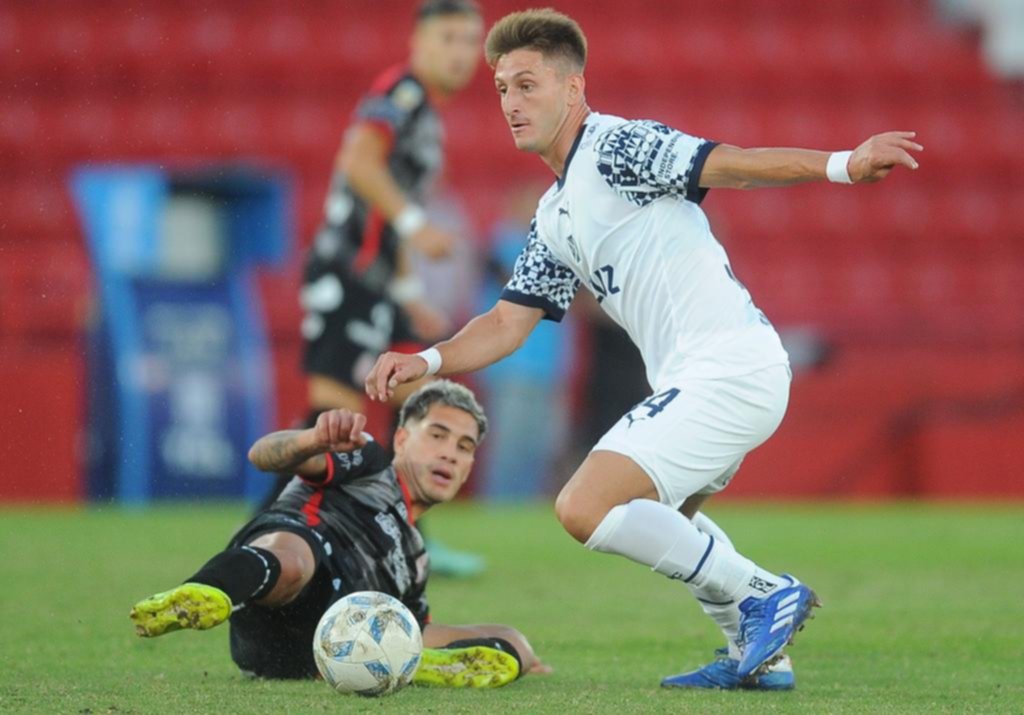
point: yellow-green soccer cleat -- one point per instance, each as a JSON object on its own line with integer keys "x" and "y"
{"x": 472, "y": 663}
{"x": 191, "y": 605}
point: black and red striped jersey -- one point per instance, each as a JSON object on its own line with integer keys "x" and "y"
{"x": 361, "y": 511}
{"x": 352, "y": 232}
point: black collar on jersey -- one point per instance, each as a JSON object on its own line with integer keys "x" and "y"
{"x": 570, "y": 155}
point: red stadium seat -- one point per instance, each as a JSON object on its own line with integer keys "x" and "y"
{"x": 56, "y": 371}
{"x": 36, "y": 207}
{"x": 280, "y": 294}
{"x": 44, "y": 289}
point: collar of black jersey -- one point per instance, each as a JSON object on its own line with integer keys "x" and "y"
{"x": 571, "y": 154}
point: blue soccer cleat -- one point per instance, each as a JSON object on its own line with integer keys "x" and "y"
{"x": 722, "y": 675}
{"x": 768, "y": 624}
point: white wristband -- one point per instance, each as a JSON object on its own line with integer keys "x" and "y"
{"x": 406, "y": 289}
{"x": 836, "y": 168}
{"x": 409, "y": 220}
{"x": 433, "y": 358}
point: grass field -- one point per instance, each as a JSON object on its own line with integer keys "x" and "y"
{"x": 924, "y": 612}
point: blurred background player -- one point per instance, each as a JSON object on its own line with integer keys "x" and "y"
{"x": 345, "y": 523}
{"x": 360, "y": 294}
{"x": 623, "y": 218}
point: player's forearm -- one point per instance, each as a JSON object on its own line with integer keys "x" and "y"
{"x": 483, "y": 341}
{"x": 371, "y": 181}
{"x": 734, "y": 168}
{"x": 284, "y": 451}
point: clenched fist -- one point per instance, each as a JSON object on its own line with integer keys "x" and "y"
{"x": 340, "y": 430}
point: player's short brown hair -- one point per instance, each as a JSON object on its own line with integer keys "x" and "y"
{"x": 548, "y": 31}
{"x": 443, "y": 392}
{"x": 438, "y": 8}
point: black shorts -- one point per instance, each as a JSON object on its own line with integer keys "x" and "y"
{"x": 349, "y": 322}
{"x": 278, "y": 642}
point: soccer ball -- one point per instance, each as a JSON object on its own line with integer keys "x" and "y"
{"x": 367, "y": 643}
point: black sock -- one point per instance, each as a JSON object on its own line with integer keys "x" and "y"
{"x": 244, "y": 573}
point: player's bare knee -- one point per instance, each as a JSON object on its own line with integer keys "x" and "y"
{"x": 294, "y": 577}
{"x": 577, "y": 514}
{"x": 295, "y": 574}
{"x": 297, "y": 566}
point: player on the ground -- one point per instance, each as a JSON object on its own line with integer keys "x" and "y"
{"x": 359, "y": 293}
{"x": 345, "y": 523}
{"x": 623, "y": 218}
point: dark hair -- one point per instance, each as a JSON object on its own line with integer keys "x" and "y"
{"x": 548, "y": 31}
{"x": 439, "y": 8}
{"x": 443, "y": 392}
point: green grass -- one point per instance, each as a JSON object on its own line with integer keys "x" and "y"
{"x": 924, "y": 612}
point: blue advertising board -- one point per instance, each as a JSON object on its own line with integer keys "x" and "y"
{"x": 180, "y": 383}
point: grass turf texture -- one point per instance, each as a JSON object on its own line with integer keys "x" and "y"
{"x": 923, "y": 613}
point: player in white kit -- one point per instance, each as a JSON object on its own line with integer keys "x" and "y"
{"x": 623, "y": 219}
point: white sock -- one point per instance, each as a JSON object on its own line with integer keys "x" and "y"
{"x": 725, "y": 614}
{"x": 734, "y": 576}
{"x": 660, "y": 537}
{"x": 655, "y": 535}
{"x": 703, "y": 522}
{"x": 723, "y": 610}
{"x": 719, "y": 605}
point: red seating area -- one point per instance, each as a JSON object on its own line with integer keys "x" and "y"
{"x": 932, "y": 258}
{"x": 903, "y": 422}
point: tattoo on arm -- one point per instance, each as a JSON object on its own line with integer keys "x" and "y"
{"x": 283, "y": 451}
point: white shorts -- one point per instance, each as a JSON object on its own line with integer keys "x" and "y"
{"x": 691, "y": 438}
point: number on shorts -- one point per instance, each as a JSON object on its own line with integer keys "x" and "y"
{"x": 656, "y": 403}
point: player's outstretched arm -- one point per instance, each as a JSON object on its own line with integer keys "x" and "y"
{"x": 731, "y": 167}
{"x": 303, "y": 452}
{"x": 484, "y": 340}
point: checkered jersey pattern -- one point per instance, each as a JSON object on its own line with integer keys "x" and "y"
{"x": 644, "y": 160}
{"x": 539, "y": 280}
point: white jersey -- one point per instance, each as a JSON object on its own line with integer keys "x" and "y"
{"x": 625, "y": 221}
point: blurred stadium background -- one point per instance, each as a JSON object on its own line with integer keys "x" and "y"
{"x": 902, "y": 302}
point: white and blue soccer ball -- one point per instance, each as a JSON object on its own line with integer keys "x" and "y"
{"x": 367, "y": 643}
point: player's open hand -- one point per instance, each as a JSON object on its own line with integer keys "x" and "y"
{"x": 432, "y": 242}
{"x": 340, "y": 430}
{"x": 874, "y": 159}
{"x": 390, "y": 371}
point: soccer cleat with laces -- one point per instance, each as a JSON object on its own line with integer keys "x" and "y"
{"x": 721, "y": 675}
{"x": 768, "y": 624}
{"x": 191, "y": 605}
{"x": 470, "y": 663}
